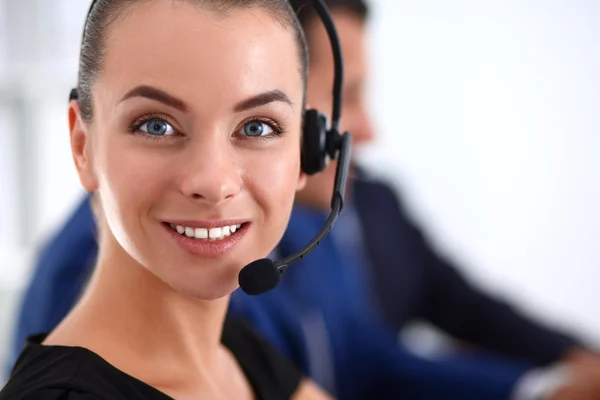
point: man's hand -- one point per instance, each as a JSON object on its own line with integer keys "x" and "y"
{"x": 582, "y": 356}
{"x": 583, "y": 381}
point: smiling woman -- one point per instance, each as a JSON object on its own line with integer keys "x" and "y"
{"x": 186, "y": 127}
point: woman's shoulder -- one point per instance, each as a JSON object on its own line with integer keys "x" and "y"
{"x": 49, "y": 394}
{"x": 271, "y": 375}
{"x": 75, "y": 373}
{"x": 70, "y": 373}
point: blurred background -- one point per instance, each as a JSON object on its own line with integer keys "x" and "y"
{"x": 488, "y": 115}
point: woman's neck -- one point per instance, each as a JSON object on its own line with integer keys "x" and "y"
{"x": 138, "y": 323}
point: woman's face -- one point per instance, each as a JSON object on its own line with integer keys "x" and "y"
{"x": 194, "y": 148}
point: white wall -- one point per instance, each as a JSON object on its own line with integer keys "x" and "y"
{"x": 489, "y": 119}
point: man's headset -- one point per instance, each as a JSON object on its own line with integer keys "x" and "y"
{"x": 320, "y": 143}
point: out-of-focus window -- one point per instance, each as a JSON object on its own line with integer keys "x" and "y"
{"x": 8, "y": 184}
{"x": 3, "y": 35}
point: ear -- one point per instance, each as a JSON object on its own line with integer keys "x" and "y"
{"x": 81, "y": 148}
{"x": 302, "y": 179}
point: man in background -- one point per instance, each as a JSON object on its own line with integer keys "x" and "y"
{"x": 408, "y": 279}
{"x": 381, "y": 269}
{"x": 399, "y": 274}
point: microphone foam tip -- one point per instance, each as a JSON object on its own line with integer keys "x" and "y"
{"x": 259, "y": 277}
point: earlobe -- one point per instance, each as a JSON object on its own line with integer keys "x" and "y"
{"x": 81, "y": 148}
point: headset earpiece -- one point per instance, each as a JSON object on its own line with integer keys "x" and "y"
{"x": 314, "y": 142}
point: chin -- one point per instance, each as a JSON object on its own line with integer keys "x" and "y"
{"x": 203, "y": 291}
{"x": 206, "y": 286}
{"x": 210, "y": 293}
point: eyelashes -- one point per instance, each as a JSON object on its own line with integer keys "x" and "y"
{"x": 153, "y": 125}
{"x": 160, "y": 127}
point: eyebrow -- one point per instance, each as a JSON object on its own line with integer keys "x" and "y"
{"x": 153, "y": 93}
{"x": 263, "y": 99}
{"x": 161, "y": 96}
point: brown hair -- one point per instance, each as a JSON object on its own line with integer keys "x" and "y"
{"x": 103, "y": 13}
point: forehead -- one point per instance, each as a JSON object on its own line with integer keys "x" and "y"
{"x": 200, "y": 54}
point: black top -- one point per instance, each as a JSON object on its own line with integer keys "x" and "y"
{"x": 75, "y": 373}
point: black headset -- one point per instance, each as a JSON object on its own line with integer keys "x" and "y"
{"x": 320, "y": 143}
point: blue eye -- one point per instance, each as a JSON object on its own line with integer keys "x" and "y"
{"x": 257, "y": 128}
{"x": 157, "y": 127}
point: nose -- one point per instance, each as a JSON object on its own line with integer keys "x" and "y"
{"x": 211, "y": 172}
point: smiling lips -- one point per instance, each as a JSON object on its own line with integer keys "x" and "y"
{"x": 217, "y": 233}
{"x": 207, "y": 239}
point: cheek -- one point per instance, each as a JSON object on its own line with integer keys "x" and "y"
{"x": 272, "y": 180}
{"x": 131, "y": 177}
{"x": 274, "y": 176}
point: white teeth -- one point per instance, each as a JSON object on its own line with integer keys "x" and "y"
{"x": 215, "y": 233}
{"x": 204, "y": 233}
{"x": 201, "y": 233}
